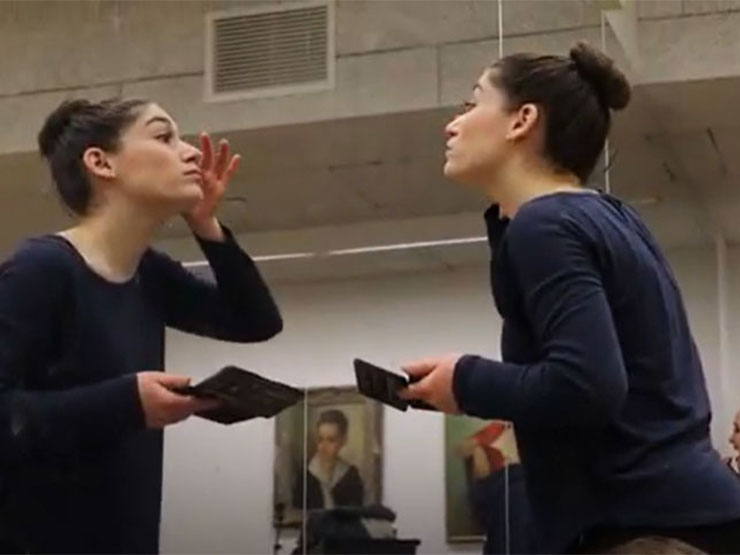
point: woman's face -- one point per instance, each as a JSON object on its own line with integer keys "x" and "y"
{"x": 329, "y": 441}
{"x": 154, "y": 167}
{"x": 481, "y": 138}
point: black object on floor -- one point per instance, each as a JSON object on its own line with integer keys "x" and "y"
{"x": 350, "y": 530}
{"x": 369, "y": 546}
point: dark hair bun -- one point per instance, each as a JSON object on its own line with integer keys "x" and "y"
{"x": 57, "y": 123}
{"x": 598, "y": 69}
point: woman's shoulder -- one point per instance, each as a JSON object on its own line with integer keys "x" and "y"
{"x": 557, "y": 208}
{"x": 38, "y": 268}
{"x": 159, "y": 259}
{"x": 157, "y": 266}
{"x": 42, "y": 253}
{"x": 546, "y": 218}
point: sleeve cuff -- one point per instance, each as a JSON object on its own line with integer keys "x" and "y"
{"x": 486, "y": 388}
{"x": 228, "y": 239}
{"x": 131, "y": 410}
{"x": 215, "y": 251}
{"x": 461, "y": 382}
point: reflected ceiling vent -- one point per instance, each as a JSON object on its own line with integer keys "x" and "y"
{"x": 273, "y": 50}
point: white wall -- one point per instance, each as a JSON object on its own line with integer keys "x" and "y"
{"x": 218, "y": 480}
{"x": 696, "y": 271}
{"x": 732, "y": 385}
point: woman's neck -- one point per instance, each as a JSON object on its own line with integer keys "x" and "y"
{"x": 519, "y": 185}
{"x": 112, "y": 242}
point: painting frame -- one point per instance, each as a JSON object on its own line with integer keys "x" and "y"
{"x": 290, "y": 459}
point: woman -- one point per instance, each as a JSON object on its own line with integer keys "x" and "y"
{"x": 330, "y": 481}
{"x": 82, "y": 320}
{"x": 601, "y": 376}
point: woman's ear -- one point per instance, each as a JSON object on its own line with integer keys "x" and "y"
{"x": 523, "y": 121}
{"x": 98, "y": 163}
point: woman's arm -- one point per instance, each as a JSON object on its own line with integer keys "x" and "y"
{"x": 239, "y": 307}
{"x": 580, "y": 379}
{"x": 48, "y": 424}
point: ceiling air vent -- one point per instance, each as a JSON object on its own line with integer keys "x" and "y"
{"x": 270, "y": 51}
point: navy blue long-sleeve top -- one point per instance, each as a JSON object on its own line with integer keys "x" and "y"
{"x": 600, "y": 373}
{"x": 79, "y": 471}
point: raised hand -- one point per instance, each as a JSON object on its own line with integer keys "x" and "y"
{"x": 217, "y": 169}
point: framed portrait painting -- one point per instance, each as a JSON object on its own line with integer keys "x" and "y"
{"x": 328, "y": 454}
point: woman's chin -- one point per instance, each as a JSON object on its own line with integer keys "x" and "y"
{"x": 462, "y": 175}
{"x": 454, "y": 172}
{"x": 190, "y": 196}
{"x": 177, "y": 206}
{"x": 192, "y": 189}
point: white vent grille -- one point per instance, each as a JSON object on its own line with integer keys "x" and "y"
{"x": 270, "y": 51}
